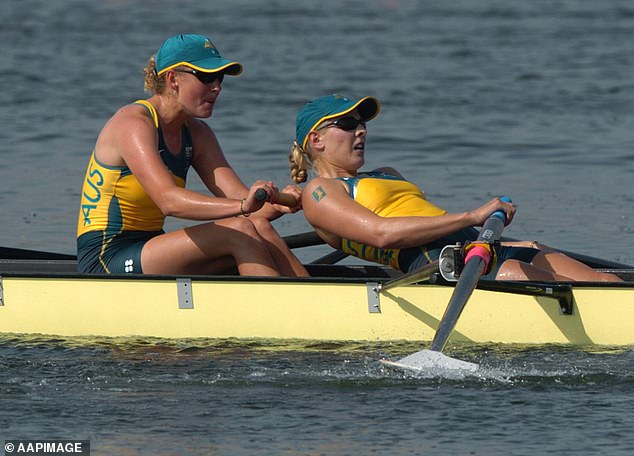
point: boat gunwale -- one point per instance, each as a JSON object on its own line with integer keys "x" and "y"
{"x": 483, "y": 284}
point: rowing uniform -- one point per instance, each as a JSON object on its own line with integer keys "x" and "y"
{"x": 392, "y": 196}
{"x": 117, "y": 217}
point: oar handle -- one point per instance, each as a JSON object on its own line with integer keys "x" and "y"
{"x": 285, "y": 199}
{"x": 260, "y": 194}
{"x": 493, "y": 226}
{"x": 501, "y": 214}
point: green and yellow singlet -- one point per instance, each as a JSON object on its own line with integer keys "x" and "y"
{"x": 386, "y": 196}
{"x": 113, "y": 202}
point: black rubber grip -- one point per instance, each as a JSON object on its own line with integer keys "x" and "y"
{"x": 261, "y": 195}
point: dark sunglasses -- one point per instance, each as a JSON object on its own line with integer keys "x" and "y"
{"x": 348, "y": 123}
{"x": 205, "y": 78}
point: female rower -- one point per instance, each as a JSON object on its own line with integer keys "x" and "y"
{"x": 380, "y": 216}
{"x": 136, "y": 177}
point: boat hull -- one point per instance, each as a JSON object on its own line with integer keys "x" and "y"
{"x": 316, "y": 309}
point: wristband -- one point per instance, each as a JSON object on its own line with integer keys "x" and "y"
{"x": 246, "y": 214}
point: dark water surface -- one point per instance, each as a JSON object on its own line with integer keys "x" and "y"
{"x": 264, "y": 397}
{"x": 480, "y": 98}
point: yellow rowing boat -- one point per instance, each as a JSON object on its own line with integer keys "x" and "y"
{"x": 43, "y": 295}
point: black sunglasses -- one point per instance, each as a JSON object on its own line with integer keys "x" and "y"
{"x": 348, "y": 123}
{"x": 205, "y": 78}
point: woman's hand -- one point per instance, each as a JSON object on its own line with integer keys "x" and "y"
{"x": 251, "y": 203}
{"x": 285, "y": 199}
{"x": 286, "y": 202}
{"x": 482, "y": 213}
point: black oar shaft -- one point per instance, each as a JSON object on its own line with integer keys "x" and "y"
{"x": 473, "y": 269}
{"x": 459, "y": 298}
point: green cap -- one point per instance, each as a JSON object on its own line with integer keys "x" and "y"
{"x": 194, "y": 51}
{"x": 329, "y": 107}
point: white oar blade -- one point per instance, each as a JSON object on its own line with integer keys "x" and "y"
{"x": 431, "y": 361}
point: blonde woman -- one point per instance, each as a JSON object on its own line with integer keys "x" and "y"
{"x": 380, "y": 216}
{"x": 136, "y": 177}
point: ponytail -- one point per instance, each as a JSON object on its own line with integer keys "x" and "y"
{"x": 153, "y": 83}
{"x": 300, "y": 163}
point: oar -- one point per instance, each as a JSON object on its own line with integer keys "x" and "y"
{"x": 476, "y": 261}
{"x": 305, "y": 239}
{"x": 285, "y": 199}
{"x": 10, "y": 253}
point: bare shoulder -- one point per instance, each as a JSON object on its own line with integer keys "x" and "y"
{"x": 320, "y": 187}
{"x": 327, "y": 204}
{"x": 130, "y": 118}
{"x": 324, "y": 199}
{"x": 129, "y": 129}
{"x": 134, "y": 110}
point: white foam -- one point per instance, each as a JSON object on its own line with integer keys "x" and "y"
{"x": 432, "y": 362}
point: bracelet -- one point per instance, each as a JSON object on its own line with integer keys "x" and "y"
{"x": 246, "y": 214}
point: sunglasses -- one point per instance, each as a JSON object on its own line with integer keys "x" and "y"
{"x": 348, "y": 123}
{"x": 205, "y": 78}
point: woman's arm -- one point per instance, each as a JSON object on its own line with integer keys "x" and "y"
{"x": 130, "y": 139}
{"x": 328, "y": 207}
{"x": 220, "y": 178}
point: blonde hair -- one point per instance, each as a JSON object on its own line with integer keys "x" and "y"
{"x": 301, "y": 161}
{"x": 153, "y": 83}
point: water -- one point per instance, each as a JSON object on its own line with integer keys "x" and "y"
{"x": 528, "y": 99}
{"x": 265, "y": 397}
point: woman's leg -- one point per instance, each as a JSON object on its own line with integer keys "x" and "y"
{"x": 571, "y": 268}
{"x": 552, "y": 266}
{"x": 287, "y": 263}
{"x": 519, "y": 270}
{"x": 557, "y": 264}
{"x": 206, "y": 248}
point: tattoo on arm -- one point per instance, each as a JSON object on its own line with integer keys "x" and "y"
{"x": 319, "y": 194}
